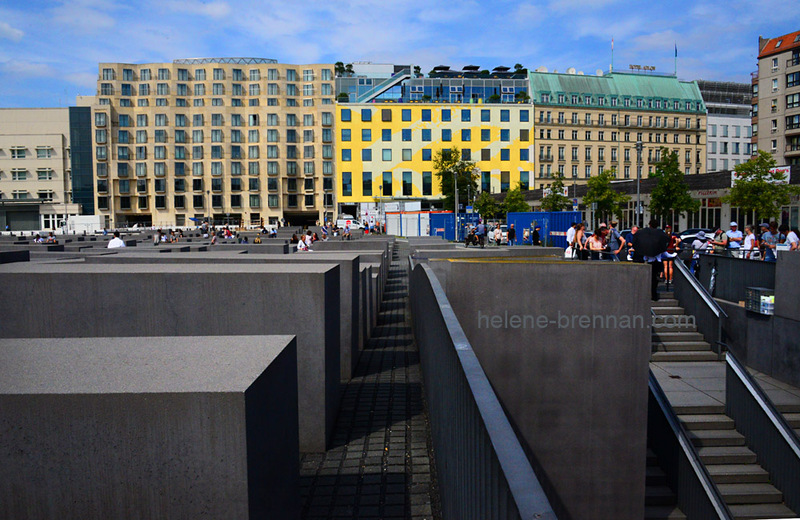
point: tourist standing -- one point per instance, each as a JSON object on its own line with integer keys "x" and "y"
{"x": 735, "y": 239}
{"x": 649, "y": 244}
{"x": 749, "y": 248}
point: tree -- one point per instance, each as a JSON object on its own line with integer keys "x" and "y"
{"x": 343, "y": 97}
{"x": 486, "y": 206}
{"x": 338, "y": 67}
{"x": 518, "y": 67}
{"x": 417, "y": 70}
{"x": 348, "y": 68}
{"x": 600, "y": 192}
{"x": 671, "y": 194}
{"x": 522, "y": 96}
{"x": 449, "y": 165}
{"x": 515, "y": 201}
{"x": 756, "y": 188}
{"x": 556, "y": 201}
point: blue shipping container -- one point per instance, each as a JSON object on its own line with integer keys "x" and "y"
{"x": 443, "y": 224}
{"x": 554, "y": 225}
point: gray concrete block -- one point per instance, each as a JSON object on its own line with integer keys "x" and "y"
{"x": 158, "y": 427}
{"x": 575, "y": 391}
{"x": 348, "y": 284}
{"x": 787, "y": 290}
{"x": 81, "y": 300}
{"x": 10, "y": 256}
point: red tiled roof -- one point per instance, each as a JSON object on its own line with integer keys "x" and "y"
{"x": 788, "y": 41}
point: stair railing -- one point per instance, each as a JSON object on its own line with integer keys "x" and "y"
{"x": 767, "y": 433}
{"x": 698, "y": 496}
{"x": 697, "y": 302}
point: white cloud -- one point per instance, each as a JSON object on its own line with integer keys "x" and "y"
{"x": 26, "y": 69}
{"x": 210, "y": 9}
{"x": 83, "y": 17}
{"x": 10, "y": 33}
{"x": 83, "y": 79}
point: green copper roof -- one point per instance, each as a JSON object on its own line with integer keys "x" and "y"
{"x": 649, "y": 88}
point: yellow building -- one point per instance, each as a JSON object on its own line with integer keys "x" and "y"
{"x": 385, "y": 151}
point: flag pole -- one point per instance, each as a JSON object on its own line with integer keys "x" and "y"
{"x": 612, "y": 55}
{"x": 676, "y": 59}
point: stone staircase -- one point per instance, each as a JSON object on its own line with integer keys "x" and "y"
{"x": 744, "y": 484}
{"x": 675, "y": 337}
{"x": 660, "y": 501}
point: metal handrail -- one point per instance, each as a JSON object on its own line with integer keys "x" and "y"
{"x": 765, "y": 402}
{"x": 699, "y": 470}
{"x": 766, "y": 429}
{"x": 698, "y": 287}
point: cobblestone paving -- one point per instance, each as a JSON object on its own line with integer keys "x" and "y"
{"x": 380, "y": 462}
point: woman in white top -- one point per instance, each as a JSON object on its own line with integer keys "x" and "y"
{"x": 793, "y": 240}
{"x": 750, "y": 243}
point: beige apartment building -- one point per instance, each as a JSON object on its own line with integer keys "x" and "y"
{"x": 776, "y": 98}
{"x": 588, "y": 124}
{"x": 35, "y": 168}
{"x": 237, "y": 140}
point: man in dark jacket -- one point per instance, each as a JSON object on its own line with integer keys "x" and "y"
{"x": 648, "y": 244}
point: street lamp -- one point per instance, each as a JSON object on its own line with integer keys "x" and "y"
{"x": 455, "y": 180}
{"x": 638, "y": 183}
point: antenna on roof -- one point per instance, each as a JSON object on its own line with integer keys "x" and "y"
{"x": 611, "y": 68}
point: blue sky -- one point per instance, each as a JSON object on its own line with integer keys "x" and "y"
{"x": 49, "y": 51}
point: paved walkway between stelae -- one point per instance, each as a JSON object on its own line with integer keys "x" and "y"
{"x": 380, "y": 462}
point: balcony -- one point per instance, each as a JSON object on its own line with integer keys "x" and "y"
{"x": 793, "y": 62}
{"x": 793, "y": 149}
{"x": 546, "y": 158}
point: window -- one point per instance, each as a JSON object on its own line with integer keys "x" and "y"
{"x": 505, "y": 135}
{"x": 346, "y": 154}
{"x": 793, "y": 101}
{"x": 347, "y": 184}
{"x": 405, "y": 114}
{"x": 466, "y": 115}
{"x": 505, "y": 154}
{"x": 793, "y": 79}
{"x": 524, "y": 116}
{"x": 486, "y": 134}
{"x": 366, "y": 114}
{"x": 426, "y": 134}
{"x": 345, "y": 114}
{"x": 505, "y": 116}
{"x": 345, "y": 134}
{"x": 406, "y": 134}
{"x": 387, "y": 184}
{"x": 775, "y": 84}
{"x": 386, "y": 135}
{"x": 366, "y": 135}
{"x": 386, "y": 154}
{"x": 486, "y": 115}
{"x": 366, "y": 154}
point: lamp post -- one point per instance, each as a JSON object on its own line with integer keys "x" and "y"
{"x": 638, "y": 183}
{"x": 455, "y": 180}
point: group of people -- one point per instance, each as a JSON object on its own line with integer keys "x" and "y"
{"x": 304, "y": 241}
{"x": 479, "y": 234}
{"x": 760, "y": 243}
{"x": 659, "y": 248}
{"x": 50, "y": 239}
{"x": 605, "y": 244}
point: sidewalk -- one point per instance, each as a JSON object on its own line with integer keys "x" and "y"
{"x": 380, "y": 463}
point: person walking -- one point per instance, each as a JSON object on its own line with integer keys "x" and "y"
{"x": 649, "y": 244}
{"x": 615, "y": 242}
{"x": 672, "y": 247}
{"x": 512, "y": 235}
